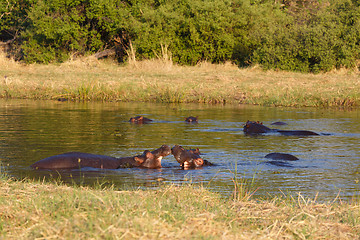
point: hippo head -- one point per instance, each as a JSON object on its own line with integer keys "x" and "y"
{"x": 252, "y": 127}
{"x": 161, "y": 152}
{"x": 193, "y": 163}
{"x": 191, "y": 119}
{"x": 139, "y": 119}
{"x": 177, "y": 151}
{"x": 148, "y": 160}
{"x": 186, "y": 158}
{"x": 195, "y": 151}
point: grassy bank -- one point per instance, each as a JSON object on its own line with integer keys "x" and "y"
{"x": 38, "y": 210}
{"x": 161, "y": 81}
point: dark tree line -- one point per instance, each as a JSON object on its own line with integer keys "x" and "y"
{"x": 294, "y": 35}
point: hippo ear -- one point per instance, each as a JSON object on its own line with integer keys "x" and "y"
{"x": 199, "y": 162}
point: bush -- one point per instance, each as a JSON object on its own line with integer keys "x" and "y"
{"x": 13, "y": 20}
{"x": 60, "y": 28}
{"x": 294, "y": 35}
{"x": 319, "y": 41}
{"x": 193, "y": 30}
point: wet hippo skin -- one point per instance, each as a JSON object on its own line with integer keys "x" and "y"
{"x": 195, "y": 151}
{"x": 191, "y": 119}
{"x": 281, "y": 156}
{"x": 140, "y": 120}
{"x": 188, "y": 158}
{"x": 278, "y": 123}
{"x": 252, "y": 127}
{"x": 76, "y": 160}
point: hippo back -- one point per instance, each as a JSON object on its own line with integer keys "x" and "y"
{"x": 76, "y": 160}
{"x": 297, "y": 133}
{"x": 281, "y": 156}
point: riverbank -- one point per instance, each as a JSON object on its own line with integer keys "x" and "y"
{"x": 89, "y": 79}
{"x": 39, "y": 210}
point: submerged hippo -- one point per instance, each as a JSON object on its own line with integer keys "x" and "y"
{"x": 281, "y": 159}
{"x": 140, "y": 120}
{"x": 76, "y": 160}
{"x": 281, "y": 156}
{"x": 191, "y": 119}
{"x": 188, "y": 158}
{"x": 278, "y": 123}
{"x": 252, "y": 127}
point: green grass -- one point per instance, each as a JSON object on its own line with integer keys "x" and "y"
{"x": 39, "y": 210}
{"x": 89, "y": 79}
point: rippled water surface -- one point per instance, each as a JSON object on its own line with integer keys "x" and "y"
{"x": 328, "y": 164}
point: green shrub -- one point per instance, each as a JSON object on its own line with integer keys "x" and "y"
{"x": 320, "y": 40}
{"x": 193, "y": 30}
{"x": 59, "y": 28}
{"x": 293, "y": 35}
{"x": 13, "y": 18}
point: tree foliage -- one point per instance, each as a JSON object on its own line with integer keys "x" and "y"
{"x": 295, "y": 35}
{"x": 320, "y": 39}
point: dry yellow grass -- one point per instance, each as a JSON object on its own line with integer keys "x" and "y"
{"x": 33, "y": 210}
{"x": 161, "y": 81}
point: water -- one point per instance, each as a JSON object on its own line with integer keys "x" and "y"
{"x": 329, "y": 164}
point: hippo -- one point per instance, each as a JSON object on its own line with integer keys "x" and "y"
{"x": 161, "y": 152}
{"x": 252, "y": 127}
{"x": 140, "y": 120}
{"x": 278, "y": 123}
{"x": 76, "y": 160}
{"x": 281, "y": 159}
{"x": 188, "y": 158}
{"x": 281, "y": 156}
{"x": 191, "y": 119}
{"x": 195, "y": 151}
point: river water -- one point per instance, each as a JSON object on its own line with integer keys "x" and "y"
{"x": 328, "y": 165}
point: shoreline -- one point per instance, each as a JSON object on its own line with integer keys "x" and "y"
{"x": 89, "y": 79}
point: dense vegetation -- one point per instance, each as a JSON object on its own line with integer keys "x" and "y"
{"x": 295, "y": 35}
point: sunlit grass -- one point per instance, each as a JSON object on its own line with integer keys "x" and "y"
{"x": 40, "y": 210}
{"x": 161, "y": 81}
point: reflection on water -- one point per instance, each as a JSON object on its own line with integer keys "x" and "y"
{"x": 32, "y": 130}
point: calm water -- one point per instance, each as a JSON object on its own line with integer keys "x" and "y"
{"x": 32, "y": 130}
